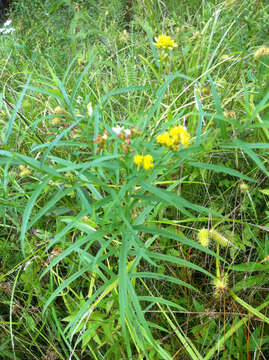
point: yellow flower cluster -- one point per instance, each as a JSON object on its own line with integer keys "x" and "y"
{"x": 164, "y": 42}
{"x": 175, "y": 137}
{"x": 146, "y": 160}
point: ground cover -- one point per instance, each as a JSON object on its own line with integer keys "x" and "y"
{"x": 134, "y": 180}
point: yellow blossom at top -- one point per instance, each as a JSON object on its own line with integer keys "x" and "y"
{"x": 184, "y": 137}
{"x": 165, "y": 139}
{"x": 148, "y": 162}
{"x": 164, "y": 42}
{"x": 175, "y": 137}
{"x": 138, "y": 159}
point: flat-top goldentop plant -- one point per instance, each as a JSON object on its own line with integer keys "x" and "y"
{"x": 164, "y": 42}
{"x": 175, "y": 137}
{"x": 146, "y": 160}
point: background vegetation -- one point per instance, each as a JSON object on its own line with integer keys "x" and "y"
{"x": 100, "y": 258}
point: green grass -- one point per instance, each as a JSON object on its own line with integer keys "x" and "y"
{"x": 100, "y": 258}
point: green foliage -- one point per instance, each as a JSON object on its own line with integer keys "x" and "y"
{"x": 105, "y": 258}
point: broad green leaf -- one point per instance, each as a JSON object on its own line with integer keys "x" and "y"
{"x": 265, "y": 191}
{"x": 250, "y": 281}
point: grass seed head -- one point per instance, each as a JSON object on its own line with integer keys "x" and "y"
{"x": 220, "y": 285}
{"x": 203, "y": 237}
{"x": 218, "y": 238}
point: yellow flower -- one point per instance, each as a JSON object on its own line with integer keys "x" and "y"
{"x": 24, "y": 171}
{"x": 55, "y": 121}
{"x": 138, "y": 159}
{"x": 243, "y": 187}
{"x": 262, "y": 51}
{"x": 148, "y": 162}
{"x": 184, "y": 137}
{"x": 58, "y": 110}
{"x": 165, "y": 42}
{"x": 125, "y": 36}
{"x": 176, "y": 136}
{"x": 203, "y": 237}
{"x": 164, "y": 138}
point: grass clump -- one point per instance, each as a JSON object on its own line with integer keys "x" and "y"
{"x": 133, "y": 189}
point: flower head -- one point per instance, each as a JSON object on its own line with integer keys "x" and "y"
{"x": 203, "y": 237}
{"x": 243, "y": 187}
{"x": 138, "y": 159}
{"x": 184, "y": 136}
{"x": 117, "y": 130}
{"x": 58, "y": 110}
{"x": 220, "y": 285}
{"x": 148, "y": 162}
{"x": 24, "y": 171}
{"x": 176, "y": 136}
{"x": 164, "y": 42}
{"x": 262, "y": 51}
{"x": 164, "y": 139}
{"x": 218, "y": 238}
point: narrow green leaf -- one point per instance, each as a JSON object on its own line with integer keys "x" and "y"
{"x": 180, "y": 238}
{"x": 163, "y": 277}
{"x": 218, "y": 107}
{"x": 220, "y": 168}
{"x": 251, "y": 267}
{"x": 64, "y": 285}
{"x": 175, "y": 200}
{"x": 230, "y": 332}
{"x": 250, "y": 308}
{"x": 246, "y": 148}
{"x": 180, "y": 262}
{"x": 79, "y": 80}
{"x": 14, "y": 114}
{"x": 200, "y": 117}
{"x": 54, "y": 199}
{"x": 74, "y": 247}
{"x": 28, "y": 210}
